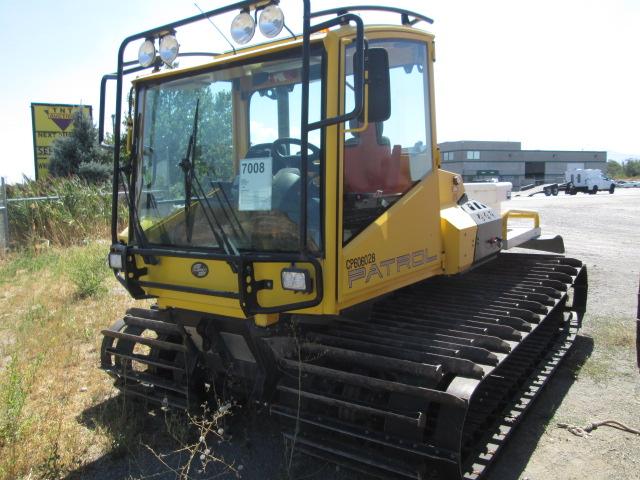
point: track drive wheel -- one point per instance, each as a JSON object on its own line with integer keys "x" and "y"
{"x": 149, "y": 359}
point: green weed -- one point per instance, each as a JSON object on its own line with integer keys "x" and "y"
{"x": 35, "y": 316}
{"x": 26, "y": 261}
{"x": 87, "y": 270}
{"x": 14, "y": 388}
{"x": 12, "y": 400}
{"x": 46, "y": 322}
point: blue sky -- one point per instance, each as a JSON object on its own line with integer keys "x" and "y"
{"x": 551, "y": 74}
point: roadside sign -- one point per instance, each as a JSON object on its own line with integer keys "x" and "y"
{"x": 50, "y": 121}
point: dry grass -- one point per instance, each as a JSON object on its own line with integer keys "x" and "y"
{"x": 75, "y": 211}
{"x": 614, "y": 348}
{"x": 48, "y": 362}
{"x": 58, "y": 411}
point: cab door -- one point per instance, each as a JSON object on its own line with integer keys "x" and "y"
{"x": 390, "y": 218}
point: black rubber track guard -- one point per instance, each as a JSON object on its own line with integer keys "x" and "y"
{"x": 434, "y": 382}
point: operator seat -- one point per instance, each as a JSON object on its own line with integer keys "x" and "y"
{"x": 371, "y": 165}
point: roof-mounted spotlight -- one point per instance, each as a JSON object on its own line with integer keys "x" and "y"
{"x": 147, "y": 53}
{"x": 169, "y": 49}
{"x": 243, "y": 27}
{"x": 271, "y": 21}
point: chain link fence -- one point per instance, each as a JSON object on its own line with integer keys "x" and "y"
{"x": 5, "y": 238}
{"x": 79, "y": 211}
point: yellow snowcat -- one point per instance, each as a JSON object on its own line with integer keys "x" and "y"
{"x": 288, "y": 213}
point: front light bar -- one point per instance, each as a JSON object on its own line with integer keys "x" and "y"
{"x": 296, "y": 279}
{"x": 117, "y": 257}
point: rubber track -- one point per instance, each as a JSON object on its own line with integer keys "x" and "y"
{"x": 433, "y": 383}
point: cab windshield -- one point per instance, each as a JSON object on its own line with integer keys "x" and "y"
{"x": 219, "y": 158}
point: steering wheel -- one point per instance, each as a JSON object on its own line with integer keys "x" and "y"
{"x": 282, "y": 160}
{"x": 259, "y": 150}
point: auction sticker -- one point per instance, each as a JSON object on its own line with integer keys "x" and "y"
{"x": 255, "y": 184}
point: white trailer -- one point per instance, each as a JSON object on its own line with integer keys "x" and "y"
{"x": 588, "y": 180}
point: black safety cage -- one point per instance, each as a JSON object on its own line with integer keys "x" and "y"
{"x": 243, "y": 263}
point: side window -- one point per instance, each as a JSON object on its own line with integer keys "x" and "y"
{"x": 383, "y": 160}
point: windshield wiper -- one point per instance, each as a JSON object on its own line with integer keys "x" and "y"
{"x": 138, "y": 232}
{"x": 218, "y": 188}
{"x": 188, "y": 167}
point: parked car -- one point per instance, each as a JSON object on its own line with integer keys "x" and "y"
{"x": 628, "y": 184}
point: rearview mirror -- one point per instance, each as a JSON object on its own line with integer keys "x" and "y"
{"x": 376, "y": 64}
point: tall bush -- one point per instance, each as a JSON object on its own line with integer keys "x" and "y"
{"x": 78, "y": 211}
{"x": 632, "y": 167}
{"x": 614, "y": 169}
{"x": 80, "y": 154}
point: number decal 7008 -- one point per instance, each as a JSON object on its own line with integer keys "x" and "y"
{"x": 253, "y": 167}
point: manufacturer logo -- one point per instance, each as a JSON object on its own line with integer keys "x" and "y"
{"x": 61, "y": 116}
{"x": 199, "y": 270}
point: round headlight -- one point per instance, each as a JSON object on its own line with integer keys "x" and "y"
{"x": 242, "y": 28}
{"x": 271, "y": 21}
{"x": 168, "y": 49}
{"x": 147, "y": 53}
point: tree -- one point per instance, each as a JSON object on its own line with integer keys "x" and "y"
{"x": 632, "y": 167}
{"x": 168, "y": 128}
{"x": 79, "y": 153}
{"x": 614, "y": 169}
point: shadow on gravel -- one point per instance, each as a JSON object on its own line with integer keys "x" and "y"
{"x": 515, "y": 456}
{"x": 151, "y": 444}
{"x": 253, "y": 440}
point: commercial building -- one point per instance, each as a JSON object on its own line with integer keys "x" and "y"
{"x": 481, "y": 161}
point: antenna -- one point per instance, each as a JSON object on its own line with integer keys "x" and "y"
{"x": 216, "y": 27}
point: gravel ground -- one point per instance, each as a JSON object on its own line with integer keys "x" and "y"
{"x": 598, "y": 381}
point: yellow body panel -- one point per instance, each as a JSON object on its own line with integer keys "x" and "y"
{"x": 401, "y": 247}
{"x": 196, "y": 302}
{"x": 458, "y": 229}
{"x": 459, "y": 237}
{"x": 177, "y": 271}
{"x": 450, "y": 187}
